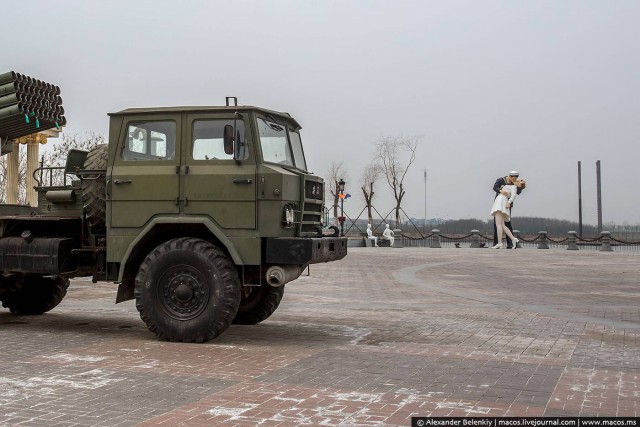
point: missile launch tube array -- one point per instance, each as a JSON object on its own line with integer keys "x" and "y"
{"x": 28, "y": 105}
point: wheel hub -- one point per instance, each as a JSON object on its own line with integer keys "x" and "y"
{"x": 184, "y": 292}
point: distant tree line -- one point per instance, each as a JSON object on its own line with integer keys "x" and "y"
{"x": 391, "y": 161}
{"x": 533, "y": 225}
{"x": 526, "y": 225}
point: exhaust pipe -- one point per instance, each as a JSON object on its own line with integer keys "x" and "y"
{"x": 277, "y": 275}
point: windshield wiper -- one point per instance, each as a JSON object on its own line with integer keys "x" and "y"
{"x": 275, "y": 125}
{"x": 291, "y": 168}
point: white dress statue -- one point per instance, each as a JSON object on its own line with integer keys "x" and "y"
{"x": 500, "y": 203}
{"x": 370, "y": 236}
{"x": 501, "y": 211}
{"x": 387, "y": 234}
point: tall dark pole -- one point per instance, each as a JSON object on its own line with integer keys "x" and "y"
{"x": 579, "y": 198}
{"x": 599, "y": 189}
{"x": 341, "y": 192}
{"x": 342, "y": 215}
{"x": 425, "y": 203}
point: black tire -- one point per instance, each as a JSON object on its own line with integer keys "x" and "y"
{"x": 258, "y": 303}
{"x": 37, "y": 294}
{"x": 94, "y": 190}
{"x": 187, "y": 290}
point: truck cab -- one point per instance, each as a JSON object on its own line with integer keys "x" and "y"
{"x": 201, "y": 214}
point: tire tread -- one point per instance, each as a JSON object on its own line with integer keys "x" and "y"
{"x": 94, "y": 190}
{"x": 228, "y": 278}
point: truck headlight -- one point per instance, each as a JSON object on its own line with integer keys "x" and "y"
{"x": 288, "y": 216}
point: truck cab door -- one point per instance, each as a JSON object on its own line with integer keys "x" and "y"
{"x": 214, "y": 183}
{"x": 145, "y": 179}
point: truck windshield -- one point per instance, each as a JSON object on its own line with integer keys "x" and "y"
{"x": 280, "y": 145}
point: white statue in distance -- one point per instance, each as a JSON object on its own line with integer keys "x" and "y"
{"x": 387, "y": 234}
{"x": 370, "y": 236}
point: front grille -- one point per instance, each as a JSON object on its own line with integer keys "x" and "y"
{"x": 311, "y": 217}
{"x": 313, "y": 190}
{"x": 312, "y": 208}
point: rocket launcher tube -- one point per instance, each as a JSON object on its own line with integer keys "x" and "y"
{"x": 7, "y": 77}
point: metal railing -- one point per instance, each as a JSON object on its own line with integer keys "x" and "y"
{"x": 605, "y": 242}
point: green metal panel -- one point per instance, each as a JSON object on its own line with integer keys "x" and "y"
{"x": 117, "y": 245}
{"x": 249, "y": 249}
{"x": 222, "y": 188}
{"x": 54, "y": 203}
{"x": 248, "y": 109}
{"x": 10, "y": 210}
{"x": 142, "y": 189}
{"x": 278, "y": 186}
{"x": 119, "y": 242}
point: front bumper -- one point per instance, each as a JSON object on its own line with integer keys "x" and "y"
{"x": 303, "y": 250}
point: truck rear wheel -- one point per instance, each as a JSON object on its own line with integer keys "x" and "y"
{"x": 187, "y": 290}
{"x": 258, "y": 303}
{"x": 37, "y": 294}
{"x": 94, "y": 189}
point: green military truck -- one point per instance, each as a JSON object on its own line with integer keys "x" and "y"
{"x": 200, "y": 214}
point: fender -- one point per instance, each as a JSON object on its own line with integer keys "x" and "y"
{"x": 207, "y": 222}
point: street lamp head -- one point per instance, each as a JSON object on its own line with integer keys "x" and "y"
{"x": 341, "y": 185}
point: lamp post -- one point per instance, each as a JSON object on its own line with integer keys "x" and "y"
{"x": 424, "y": 229}
{"x": 341, "y": 195}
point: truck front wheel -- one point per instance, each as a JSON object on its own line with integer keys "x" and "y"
{"x": 258, "y": 303}
{"x": 35, "y": 295}
{"x": 187, "y": 290}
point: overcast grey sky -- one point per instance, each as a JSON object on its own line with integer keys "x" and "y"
{"x": 489, "y": 85}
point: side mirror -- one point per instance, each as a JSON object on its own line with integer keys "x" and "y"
{"x": 228, "y": 139}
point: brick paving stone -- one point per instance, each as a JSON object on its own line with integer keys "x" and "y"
{"x": 367, "y": 341}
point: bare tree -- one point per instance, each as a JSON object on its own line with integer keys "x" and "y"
{"x": 395, "y": 156}
{"x": 370, "y": 175}
{"x": 337, "y": 171}
{"x": 58, "y": 155}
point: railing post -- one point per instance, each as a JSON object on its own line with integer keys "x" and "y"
{"x": 543, "y": 240}
{"x": 475, "y": 239}
{"x": 398, "y": 242}
{"x": 435, "y": 240}
{"x": 571, "y": 241}
{"x": 516, "y": 234}
{"x": 606, "y": 242}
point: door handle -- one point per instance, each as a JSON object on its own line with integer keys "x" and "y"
{"x": 121, "y": 181}
{"x": 242, "y": 181}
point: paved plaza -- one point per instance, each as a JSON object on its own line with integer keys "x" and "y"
{"x": 370, "y": 340}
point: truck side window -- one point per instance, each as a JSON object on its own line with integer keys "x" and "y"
{"x": 150, "y": 141}
{"x": 208, "y": 142}
{"x": 296, "y": 146}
